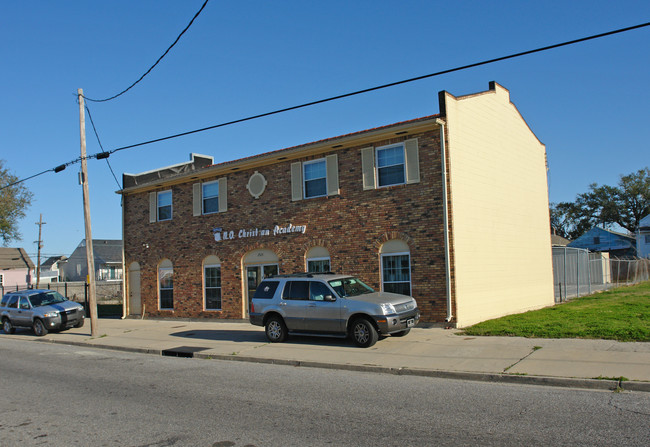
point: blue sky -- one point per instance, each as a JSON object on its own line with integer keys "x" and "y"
{"x": 588, "y": 103}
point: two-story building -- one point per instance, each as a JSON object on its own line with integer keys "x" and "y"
{"x": 450, "y": 208}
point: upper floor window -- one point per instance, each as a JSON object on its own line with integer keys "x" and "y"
{"x": 210, "y": 197}
{"x": 394, "y": 164}
{"x": 164, "y": 205}
{"x": 647, "y": 241}
{"x": 210, "y": 194}
{"x": 315, "y": 178}
{"x": 390, "y": 165}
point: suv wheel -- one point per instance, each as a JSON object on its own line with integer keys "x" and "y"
{"x": 39, "y": 328}
{"x": 276, "y": 330}
{"x": 363, "y": 333}
{"x": 7, "y": 326}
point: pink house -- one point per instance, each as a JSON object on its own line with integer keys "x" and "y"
{"x": 16, "y": 269}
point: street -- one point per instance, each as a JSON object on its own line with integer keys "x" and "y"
{"x": 59, "y": 395}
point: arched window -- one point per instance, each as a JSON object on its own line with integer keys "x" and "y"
{"x": 318, "y": 260}
{"x": 166, "y": 285}
{"x": 212, "y": 283}
{"x": 395, "y": 267}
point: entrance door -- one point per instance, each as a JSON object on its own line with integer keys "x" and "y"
{"x": 254, "y": 276}
{"x": 135, "y": 302}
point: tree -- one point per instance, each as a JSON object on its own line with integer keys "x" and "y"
{"x": 625, "y": 204}
{"x": 14, "y": 200}
{"x": 634, "y": 199}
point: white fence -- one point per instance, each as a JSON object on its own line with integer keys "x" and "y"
{"x": 577, "y": 272}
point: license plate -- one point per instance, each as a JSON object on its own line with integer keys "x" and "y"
{"x": 410, "y": 322}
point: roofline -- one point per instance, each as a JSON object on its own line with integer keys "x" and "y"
{"x": 291, "y": 153}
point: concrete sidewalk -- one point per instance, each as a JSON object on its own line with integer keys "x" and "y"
{"x": 435, "y": 352}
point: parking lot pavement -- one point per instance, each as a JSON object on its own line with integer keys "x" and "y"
{"x": 425, "y": 351}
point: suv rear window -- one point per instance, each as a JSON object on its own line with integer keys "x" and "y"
{"x": 266, "y": 290}
{"x": 3, "y": 303}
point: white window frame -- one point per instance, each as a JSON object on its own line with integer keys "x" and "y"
{"x": 203, "y": 197}
{"x": 160, "y": 288}
{"x": 205, "y": 298}
{"x": 171, "y": 205}
{"x": 304, "y": 179}
{"x": 381, "y": 268}
{"x": 403, "y": 164}
{"x": 328, "y": 259}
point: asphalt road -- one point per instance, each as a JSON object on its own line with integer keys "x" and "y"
{"x": 56, "y": 395}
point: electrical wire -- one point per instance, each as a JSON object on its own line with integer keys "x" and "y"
{"x": 100, "y": 145}
{"x": 152, "y": 67}
{"x": 345, "y": 95}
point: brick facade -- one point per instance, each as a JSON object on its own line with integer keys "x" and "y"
{"x": 352, "y": 226}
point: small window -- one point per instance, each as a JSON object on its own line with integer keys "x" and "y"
{"x": 296, "y": 290}
{"x": 318, "y": 265}
{"x": 390, "y": 165}
{"x": 596, "y": 240}
{"x": 212, "y": 275}
{"x": 13, "y": 302}
{"x": 396, "y": 273}
{"x": 166, "y": 286}
{"x": 164, "y": 205}
{"x": 24, "y": 304}
{"x": 318, "y": 291}
{"x": 210, "y": 194}
{"x": 647, "y": 238}
{"x": 266, "y": 290}
{"x": 315, "y": 177}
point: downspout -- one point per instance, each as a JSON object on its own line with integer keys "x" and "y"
{"x": 445, "y": 217}
{"x": 124, "y": 274}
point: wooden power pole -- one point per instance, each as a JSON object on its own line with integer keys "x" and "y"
{"x": 40, "y": 224}
{"x": 92, "y": 303}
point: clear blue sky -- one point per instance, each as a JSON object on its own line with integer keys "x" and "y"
{"x": 589, "y": 103}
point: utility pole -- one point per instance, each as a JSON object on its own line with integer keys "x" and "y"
{"x": 92, "y": 303}
{"x": 40, "y": 224}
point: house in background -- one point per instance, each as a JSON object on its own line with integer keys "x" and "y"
{"x": 108, "y": 261}
{"x": 559, "y": 241}
{"x": 51, "y": 269}
{"x": 618, "y": 245}
{"x": 16, "y": 269}
{"x": 643, "y": 238}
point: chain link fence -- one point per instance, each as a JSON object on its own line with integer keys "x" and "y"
{"x": 577, "y": 272}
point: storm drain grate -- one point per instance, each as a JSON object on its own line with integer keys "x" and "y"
{"x": 182, "y": 351}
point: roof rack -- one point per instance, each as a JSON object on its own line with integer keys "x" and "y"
{"x": 301, "y": 275}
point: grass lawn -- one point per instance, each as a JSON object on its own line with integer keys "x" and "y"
{"x": 621, "y": 314}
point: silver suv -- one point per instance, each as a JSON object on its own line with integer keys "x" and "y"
{"x": 39, "y": 309}
{"x": 330, "y": 304}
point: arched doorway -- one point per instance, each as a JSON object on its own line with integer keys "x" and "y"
{"x": 135, "y": 300}
{"x": 257, "y": 265}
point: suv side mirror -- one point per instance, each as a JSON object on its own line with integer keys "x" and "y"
{"x": 329, "y": 298}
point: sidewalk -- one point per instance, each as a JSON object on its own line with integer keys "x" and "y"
{"x": 435, "y": 352}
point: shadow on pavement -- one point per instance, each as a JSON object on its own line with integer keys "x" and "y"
{"x": 258, "y": 337}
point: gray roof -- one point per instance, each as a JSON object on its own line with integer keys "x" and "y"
{"x": 14, "y": 258}
{"x": 105, "y": 250}
{"x": 51, "y": 260}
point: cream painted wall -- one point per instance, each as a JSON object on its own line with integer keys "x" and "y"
{"x": 499, "y": 215}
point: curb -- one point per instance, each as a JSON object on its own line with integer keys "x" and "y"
{"x": 560, "y": 382}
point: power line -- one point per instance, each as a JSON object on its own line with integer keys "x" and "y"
{"x": 379, "y": 87}
{"x": 105, "y": 154}
{"x": 101, "y": 147}
{"x": 152, "y": 67}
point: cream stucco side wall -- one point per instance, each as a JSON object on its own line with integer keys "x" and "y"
{"x": 500, "y": 217}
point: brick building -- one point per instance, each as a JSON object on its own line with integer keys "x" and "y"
{"x": 467, "y": 238}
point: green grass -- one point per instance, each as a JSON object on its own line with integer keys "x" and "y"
{"x": 622, "y": 314}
